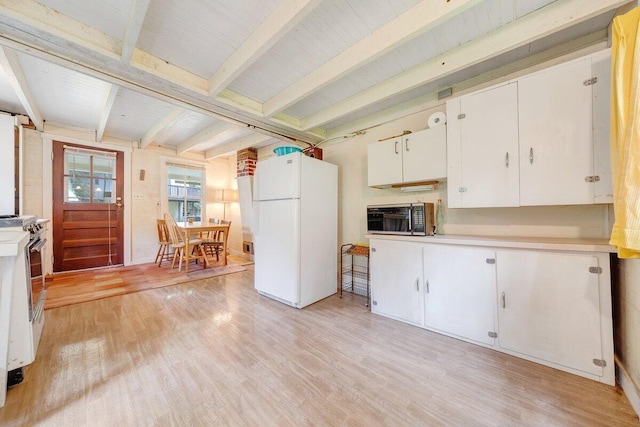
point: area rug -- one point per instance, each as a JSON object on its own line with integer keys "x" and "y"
{"x": 76, "y": 287}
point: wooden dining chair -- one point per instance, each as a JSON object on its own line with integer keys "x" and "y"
{"x": 164, "y": 242}
{"x": 178, "y": 243}
{"x": 214, "y": 244}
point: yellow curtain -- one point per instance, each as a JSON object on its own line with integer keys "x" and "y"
{"x": 625, "y": 134}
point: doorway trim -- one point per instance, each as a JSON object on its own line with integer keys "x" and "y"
{"x": 47, "y": 186}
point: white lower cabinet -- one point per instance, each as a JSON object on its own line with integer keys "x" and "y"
{"x": 396, "y": 270}
{"x": 459, "y": 292}
{"x": 548, "y": 306}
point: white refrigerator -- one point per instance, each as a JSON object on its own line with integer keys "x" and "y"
{"x": 296, "y": 229}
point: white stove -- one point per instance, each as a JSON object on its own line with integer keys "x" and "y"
{"x": 22, "y": 294}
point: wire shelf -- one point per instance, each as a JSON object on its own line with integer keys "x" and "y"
{"x": 354, "y": 270}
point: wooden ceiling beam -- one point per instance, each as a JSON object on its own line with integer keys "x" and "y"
{"x": 414, "y": 22}
{"x": 238, "y": 144}
{"x": 164, "y": 123}
{"x": 107, "y": 105}
{"x": 217, "y": 130}
{"x": 287, "y": 15}
{"x": 137, "y": 12}
{"x": 534, "y": 26}
{"x": 573, "y": 49}
{"x": 29, "y": 27}
{"x": 13, "y": 70}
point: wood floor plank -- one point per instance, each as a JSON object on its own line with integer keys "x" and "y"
{"x": 215, "y": 352}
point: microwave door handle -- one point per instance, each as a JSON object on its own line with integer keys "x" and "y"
{"x": 410, "y": 218}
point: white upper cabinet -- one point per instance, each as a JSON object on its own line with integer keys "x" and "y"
{"x": 415, "y": 157}
{"x": 385, "y": 162}
{"x": 556, "y": 135}
{"x": 483, "y": 148}
{"x": 542, "y": 139}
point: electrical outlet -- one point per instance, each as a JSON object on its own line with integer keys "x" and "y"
{"x": 138, "y": 196}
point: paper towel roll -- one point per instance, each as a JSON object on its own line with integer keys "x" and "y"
{"x": 437, "y": 119}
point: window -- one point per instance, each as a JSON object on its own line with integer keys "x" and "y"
{"x": 185, "y": 191}
{"x": 89, "y": 176}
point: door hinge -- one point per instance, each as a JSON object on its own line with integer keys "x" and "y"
{"x": 595, "y": 270}
{"x": 590, "y": 81}
{"x": 461, "y": 116}
{"x": 462, "y": 189}
{"x": 593, "y": 178}
{"x": 493, "y": 334}
{"x": 490, "y": 260}
{"x": 600, "y": 362}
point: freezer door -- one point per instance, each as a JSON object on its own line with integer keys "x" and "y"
{"x": 277, "y": 250}
{"x": 278, "y": 178}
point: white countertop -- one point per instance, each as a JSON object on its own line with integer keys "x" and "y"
{"x": 546, "y": 243}
{"x": 11, "y": 242}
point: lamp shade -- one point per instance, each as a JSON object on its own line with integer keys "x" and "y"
{"x": 229, "y": 196}
{"x": 225, "y": 195}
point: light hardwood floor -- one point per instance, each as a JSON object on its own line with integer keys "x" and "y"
{"x": 214, "y": 352}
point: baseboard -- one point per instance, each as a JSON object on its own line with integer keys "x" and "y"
{"x": 628, "y": 386}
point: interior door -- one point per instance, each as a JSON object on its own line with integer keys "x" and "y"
{"x": 88, "y": 186}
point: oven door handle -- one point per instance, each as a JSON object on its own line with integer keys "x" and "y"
{"x": 38, "y": 246}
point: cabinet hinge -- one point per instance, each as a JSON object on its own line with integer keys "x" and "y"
{"x": 462, "y": 189}
{"x": 590, "y": 81}
{"x": 374, "y": 302}
{"x": 594, "y": 178}
{"x": 461, "y": 116}
{"x": 600, "y": 362}
{"x": 493, "y": 334}
{"x": 490, "y": 260}
{"x": 595, "y": 270}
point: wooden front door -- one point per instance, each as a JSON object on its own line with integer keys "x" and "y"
{"x": 88, "y": 186}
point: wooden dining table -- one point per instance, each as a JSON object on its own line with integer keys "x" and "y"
{"x": 193, "y": 230}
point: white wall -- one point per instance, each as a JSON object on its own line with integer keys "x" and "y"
{"x": 143, "y": 237}
{"x": 355, "y": 195}
{"x": 627, "y": 326}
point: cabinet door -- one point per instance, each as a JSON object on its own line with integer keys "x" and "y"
{"x": 425, "y": 155}
{"x": 601, "y": 69}
{"x": 556, "y": 135}
{"x": 489, "y": 147}
{"x": 385, "y": 162}
{"x": 459, "y": 291}
{"x": 396, "y": 280}
{"x": 548, "y": 307}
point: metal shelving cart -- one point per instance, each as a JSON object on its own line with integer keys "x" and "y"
{"x": 354, "y": 270}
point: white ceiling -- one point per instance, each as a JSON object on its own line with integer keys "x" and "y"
{"x": 217, "y": 76}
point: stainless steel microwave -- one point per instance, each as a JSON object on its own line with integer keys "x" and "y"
{"x": 406, "y": 219}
